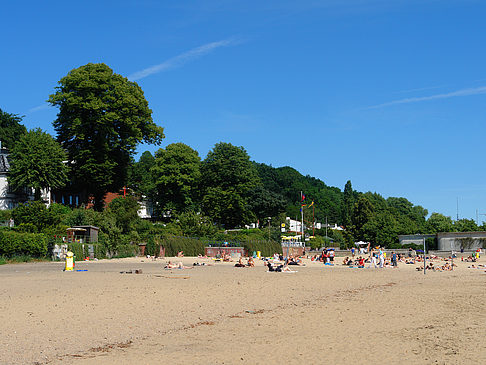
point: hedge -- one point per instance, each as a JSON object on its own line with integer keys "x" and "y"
{"x": 267, "y": 248}
{"x": 18, "y": 243}
{"x": 81, "y": 250}
{"x": 190, "y": 246}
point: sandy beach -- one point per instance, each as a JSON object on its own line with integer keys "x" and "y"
{"x": 225, "y": 315}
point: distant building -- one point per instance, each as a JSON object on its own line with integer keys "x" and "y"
{"x": 416, "y": 239}
{"x": 456, "y": 241}
{"x": 449, "y": 241}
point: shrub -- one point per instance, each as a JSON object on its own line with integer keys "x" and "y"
{"x": 190, "y": 246}
{"x": 17, "y": 244}
{"x": 126, "y": 251}
{"x": 267, "y": 248}
{"x": 81, "y": 250}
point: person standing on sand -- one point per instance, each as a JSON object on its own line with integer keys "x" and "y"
{"x": 382, "y": 258}
{"x": 394, "y": 260}
{"x": 372, "y": 260}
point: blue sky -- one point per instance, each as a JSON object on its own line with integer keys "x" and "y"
{"x": 389, "y": 94}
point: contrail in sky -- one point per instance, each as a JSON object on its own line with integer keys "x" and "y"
{"x": 181, "y": 59}
{"x": 462, "y": 92}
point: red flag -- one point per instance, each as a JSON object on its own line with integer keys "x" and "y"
{"x": 303, "y": 197}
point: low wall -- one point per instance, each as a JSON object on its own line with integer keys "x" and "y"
{"x": 219, "y": 251}
{"x": 457, "y": 240}
{"x": 293, "y": 251}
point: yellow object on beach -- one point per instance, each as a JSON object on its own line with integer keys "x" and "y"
{"x": 259, "y": 254}
{"x": 69, "y": 261}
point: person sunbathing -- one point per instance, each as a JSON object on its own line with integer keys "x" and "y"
{"x": 250, "y": 262}
{"x": 240, "y": 263}
{"x": 179, "y": 265}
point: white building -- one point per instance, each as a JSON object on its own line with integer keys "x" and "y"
{"x": 294, "y": 225}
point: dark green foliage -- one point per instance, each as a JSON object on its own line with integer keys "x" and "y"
{"x": 440, "y": 223}
{"x": 190, "y": 246}
{"x": 10, "y": 129}
{"x": 176, "y": 174}
{"x": 465, "y": 225}
{"x": 34, "y": 216}
{"x": 267, "y": 248}
{"x": 100, "y": 251}
{"x": 5, "y": 215}
{"x": 362, "y": 213}
{"x": 348, "y": 197}
{"x": 196, "y": 225}
{"x": 265, "y": 203}
{"x": 127, "y": 250}
{"x": 140, "y": 178}
{"x": 17, "y": 243}
{"x": 102, "y": 118}
{"x": 228, "y": 177}
{"x": 125, "y": 212}
{"x": 36, "y": 161}
{"x": 287, "y": 182}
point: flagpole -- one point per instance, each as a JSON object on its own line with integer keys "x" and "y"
{"x": 302, "y": 218}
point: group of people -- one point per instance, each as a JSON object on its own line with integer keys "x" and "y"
{"x": 327, "y": 256}
{"x": 375, "y": 259}
{"x": 249, "y": 262}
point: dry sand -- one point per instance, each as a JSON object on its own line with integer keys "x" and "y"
{"x": 226, "y": 315}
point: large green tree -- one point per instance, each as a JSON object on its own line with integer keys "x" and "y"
{"x": 176, "y": 173}
{"x": 10, "y": 129}
{"x": 140, "y": 178}
{"x": 102, "y": 118}
{"x": 440, "y": 223}
{"x": 37, "y": 161}
{"x": 228, "y": 176}
{"x": 348, "y": 197}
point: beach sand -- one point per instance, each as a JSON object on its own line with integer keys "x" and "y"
{"x": 225, "y": 315}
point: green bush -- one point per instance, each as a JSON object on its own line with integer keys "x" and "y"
{"x": 267, "y": 248}
{"x": 17, "y": 244}
{"x": 129, "y": 250}
{"x": 190, "y": 246}
{"x": 81, "y": 250}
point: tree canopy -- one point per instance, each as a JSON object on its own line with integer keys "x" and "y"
{"x": 102, "y": 117}
{"x": 177, "y": 175}
{"x": 37, "y": 161}
{"x": 227, "y": 179}
{"x": 10, "y": 129}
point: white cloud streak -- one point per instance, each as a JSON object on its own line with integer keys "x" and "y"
{"x": 181, "y": 59}
{"x": 462, "y": 92}
{"x": 39, "y": 108}
{"x": 419, "y": 89}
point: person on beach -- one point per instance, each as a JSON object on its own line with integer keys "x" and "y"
{"x": 394, "y": 260}
{"x": 372, "y": 261}
{"x": 240, "y": 263}
{"x": 382, "y": 258}
{"x": 180, "y": 265}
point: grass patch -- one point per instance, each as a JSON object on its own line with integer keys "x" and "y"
{"x": 21, "y": 259}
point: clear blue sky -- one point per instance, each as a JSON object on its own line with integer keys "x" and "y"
{"x": 387, "y": 93}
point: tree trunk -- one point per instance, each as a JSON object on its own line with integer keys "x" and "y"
{"x": 99, "y": 201}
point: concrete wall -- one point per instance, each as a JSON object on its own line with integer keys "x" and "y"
{"x": 457, "y": 240}
{"x": 416, "y": 239}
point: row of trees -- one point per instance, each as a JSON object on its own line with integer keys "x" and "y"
{"x": 103, "y": 117}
